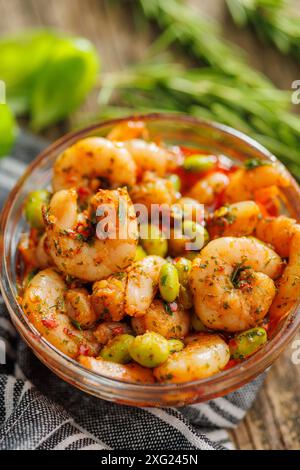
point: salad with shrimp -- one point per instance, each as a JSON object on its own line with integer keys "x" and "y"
{"x": 150, "y": 263}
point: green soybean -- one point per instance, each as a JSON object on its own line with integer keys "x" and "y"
{"x": 150, "y": 349}
{"x": 198, "y": 234}
{"x": 176, "y": 181}
{"x": 199, "y": 163}
{"x": 140, "y": 253}
{"x": 247, "y": 343}
{"x": 175, "y": 345}
{"x": 183, "y": 266}
{"x": 169, "y": 282}
{"x": 117, "y": 349}
{"x": 153, "y": 240}
{"x": 33, "y": 207}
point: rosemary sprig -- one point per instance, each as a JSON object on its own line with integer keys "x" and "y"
{"x": 201, "y": 38}
{"x": 225, "y": 88}
{"x": 272, "y": 20}
{"x": 206, "y": 93}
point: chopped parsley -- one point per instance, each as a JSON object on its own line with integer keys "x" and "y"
{"x": 76, "y": 324}
{"x": 235, "y": 277}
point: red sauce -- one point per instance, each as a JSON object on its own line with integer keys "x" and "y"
{"x": 189, "y": 179}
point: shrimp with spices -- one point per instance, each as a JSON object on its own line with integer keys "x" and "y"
{"x": 208, "y": 188}
{"x": 43, "y": 304}
{"x": 245, "y": 182}
{"x": 203, "y": 356}
{"x": 148, "y": 156}
{"x": 108, "y": 297}
{"x": 91, "y": 258}
{"x": 235, "y": 220}
{"x": 79, "y": 308}
{"x": 153, "y": 190}
{"x": 162, "y": 319}
{"x": 126, "y": 372}
{"x": 289, "y": 284}
{"x": 142, "y": 285}
{"x": 233, "y": 283}
{"x": 130, "y": 292}
{"x": 90, "y": 158}
{"x": 42, "y": 254}
{"x": 278, "y": 232}
{"x": 108, "y": 330}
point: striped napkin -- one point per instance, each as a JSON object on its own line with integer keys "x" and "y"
{"x": 40, "y": 411}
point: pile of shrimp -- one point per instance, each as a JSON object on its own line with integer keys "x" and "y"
{"x": 81, "y": 291}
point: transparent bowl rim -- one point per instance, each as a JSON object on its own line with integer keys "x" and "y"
{"x": 250, "y": 368}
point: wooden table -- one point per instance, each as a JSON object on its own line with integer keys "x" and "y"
{"x": 274, "y": 420}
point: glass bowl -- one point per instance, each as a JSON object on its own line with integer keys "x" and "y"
{"x": 172, "y": 129}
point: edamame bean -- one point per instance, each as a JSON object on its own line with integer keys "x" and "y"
{"x": 117, "y": 349}
{"x": 175, "y": 345}
{"x": 168, "y": 282}
{"x": 140, "y": 253}
{"x": 191, "y": 239}
{"x": 33, "y": 207}
{"x": 199, "y": 162}
{"x": 183, "y": 266}
{"x": 198, "y": 234}
{"x": 176, "y": 181}
{"x": 197, "y": 323}
{"x": 153, "y": 240}
{"x": 150, "y": 349}
{"x": 247, "y": 343}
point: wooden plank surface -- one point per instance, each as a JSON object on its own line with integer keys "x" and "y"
{"x": 274, "y": 420}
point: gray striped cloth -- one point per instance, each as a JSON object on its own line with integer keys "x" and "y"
{"x": 40, "y": 411}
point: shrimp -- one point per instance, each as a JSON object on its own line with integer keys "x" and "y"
{"x": 108, "y": 297}
{"x": 126, "y": 372}
{"x": 289, "y": 285}
{"x": 244, "y": 182}
{"x": 34, "y": 252}
{"x": 90, "y": 158}
{"x": 278, "y": 232}
{"x": 148, "y": 156}
{"x": 153, "y": 190}
{"x": 129, "y": 292}
{"x": 170, "y": 324}
{"x": 43, "y": 304}
{"x": 79, "y": 308}
{"x": 233, "y": 283}
{"x": 88, "y": 257}
{"x": 129, "y": 130}
{"x": 108, "y": 330}
{"x": 142, "y": 285}
{"x": 205, "y": 355}
{"x": 239, "y": 219}
{"x": 42, "y": 254}
{"x": 208, "y": 188}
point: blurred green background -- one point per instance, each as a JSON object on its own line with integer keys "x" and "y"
{"x": 156, "y": 55}
{"x": 67, "y": 63}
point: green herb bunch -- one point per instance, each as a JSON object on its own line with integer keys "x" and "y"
{"x": 273, "y": 20}
{"x": 224, "y": 88}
